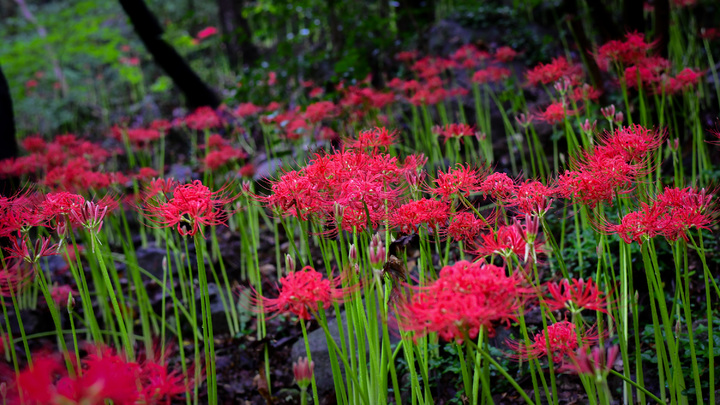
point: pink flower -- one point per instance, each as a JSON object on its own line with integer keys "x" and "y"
{"x": 303, "y": 370}
{"x": 206, "y": 32}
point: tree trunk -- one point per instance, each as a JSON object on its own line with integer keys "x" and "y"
{"x": 8, "y": 144}
{"x": 196, "y": 92}
{"x": 237, "y": 35}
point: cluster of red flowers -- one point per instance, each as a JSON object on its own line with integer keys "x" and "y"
{"x": 670, "y": 214}
{"x": 355, "y": 182}
{"x": 302, "y": 292}
{"x": 139, "y": 138}
{"x": 457, "y": 131}
{"x": 466, "y": 298}
{"x": 631, "y": 59}
{"x": 102, "y": 376}
{"x": 186, "y": 206}
{"x": 66, "y": 162}
{"x": 551, "y": 72}
{"x": 558, "y": 342}
{"x": 220, "y": 153}
{"x": 610, "y": 168}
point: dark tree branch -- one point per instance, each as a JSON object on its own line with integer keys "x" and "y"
{"x": 196, "y": 92}
{"x": 236, "y": 33}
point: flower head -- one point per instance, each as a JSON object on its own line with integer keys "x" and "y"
{"x": 190, "y": 206}
{"x": 301, "y": 292}
{"x": 466, "y": 298}
{"x": 303, "y": 371}
{"x": 575, "y": 295}
{"x": 560, "y": 340}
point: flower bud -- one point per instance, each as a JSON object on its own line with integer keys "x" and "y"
{"x": 70, "y": 303}
{"x": 562, "y": 85}
{"x": 608, "y": 112}
{"x": 523, "y": 120}
{"x": 587, "y": 127}
{"x": 619, "y": 117}
{"x": 353, "y": 254}
{"x": 338, "y": 211}
{"x": 303, "y": 370}
{"x": 289, "y": 263}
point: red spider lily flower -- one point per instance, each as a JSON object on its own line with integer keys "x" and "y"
{"x": 247, "y": 171}
{"x": 575, "y": 295}
{"x": 596, "y": 362}
{"x": 15, "y": 276}
{"x": 216, "y": 159}
{"x": 531, "y": 197}
{"x": 61, "y": 294}
{"x": 598, "y": 176}
{"x": 626, "y": 53}
{"x": 378, "y": 138}
{"x": 551, "y": 72}
{"x": 247, "y": 109}
{"x": 406, "y": 56}
{"x": 161, "y": 385}
{"x": 651, "y": 73}
{"x": 91, "y": 215}
{"x": 450, "y": 131}
{"x": 633, "y": 143}
{"x": 505, "y": 54}
{"x": 555, "y": 113}
{"x": 19, "y": 249}
{"x": 190, "y": 206}
{"x": 302, "y": 292}
{"x": 107, "y": 378}
{"x": 491, "y": 74}
{"x": 409, "y": 216}
{"x": 61, "y": 204}
{"x": 34, "y": 143}
{"x": 507, "y": 240}
{"x": 709, "y": 33}
{"x": 317, "y": 112}
{"x": 206, "y": 33}
{"x": 464, "y": 227}
{"x": 146, "y": 174}
{"x": 561, "y": 338}
{"x": 673, "y": 213}
{"x": 686, "y": 208}
{"x": 640, "y": 225}
{"x": 686, "y": 79}
{"x": 20, "y": 213}
{"x": 585, "y": 93}
{"x": 466, "y": 298}
{"x": 458, "y": 180}
{"x": 498, "y": 185}
{"x": 203, "y": 118}
{"x": 139, "y": 138}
